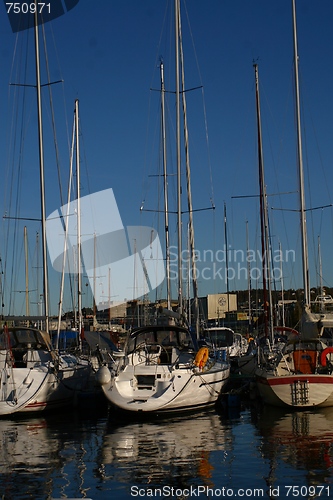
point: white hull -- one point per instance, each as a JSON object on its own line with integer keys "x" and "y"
{"x": 161, "y": 371}
{"x": 301, "y": 376}
{"x": 19, "y": 387}
{"x": 35, "y": 379}
{"x": 170, "y": 390}
{"x": 41, "y": 388}
{"x": 296, "y": 391}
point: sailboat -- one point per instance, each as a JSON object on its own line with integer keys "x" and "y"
{"x": 33, "y": 375}
{"x": 301, "y": 376}
{"x": 162, "y": 369}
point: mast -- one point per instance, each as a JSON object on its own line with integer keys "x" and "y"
{"x": 321, "y": 293}
{"x": 79, "y": 276}
{"x": 249, "y": 273}
{"x": 305, "y": 258}
{"x": 66, "y": 223}
{"x": 188, "y": 182}
{"x": 179, "y": 207}
{"x": 94, "y": 283}
{"x": 165, "y": 179}
{"x": 109, "y": 295}
{"x": 38, "y": 296}
{"x": 282, "y": 289}
{"x": 41, "y": 170}
{"x": 227, "y": 253}
{"x": 268, "y": 306}
{"x": 27, "y": 308}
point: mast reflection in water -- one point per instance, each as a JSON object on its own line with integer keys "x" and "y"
{"x": 97, "y": 456}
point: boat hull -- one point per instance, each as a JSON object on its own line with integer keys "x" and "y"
{"x": 177, "y": 390}
{"x": 40, "y": 388}
{"x": 296, "y": 391}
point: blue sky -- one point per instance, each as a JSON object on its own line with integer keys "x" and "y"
{"x": 107, "y": 54}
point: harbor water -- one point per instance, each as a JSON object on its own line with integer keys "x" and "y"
{"x": 244, "y": 451}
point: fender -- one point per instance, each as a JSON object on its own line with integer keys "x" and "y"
{"x": 201, "y": 357}
{"x": 323, "y": 359}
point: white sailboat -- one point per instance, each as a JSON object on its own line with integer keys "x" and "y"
{"x": 301, "y": 376}
{"x": 162, "y": 369}
{"x": 33, "y": 375}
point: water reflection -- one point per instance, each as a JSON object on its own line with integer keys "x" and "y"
{"x": 173, "y": 452}
{"x": 303, "y": 440}
{"x": 22, "y": 454}
{"x": 51, "y": 457}
{"x": 82, "y": 455}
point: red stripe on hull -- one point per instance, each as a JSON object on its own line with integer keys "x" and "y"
{"x": 49, "y": 404}
{"x": 311, "y": 379}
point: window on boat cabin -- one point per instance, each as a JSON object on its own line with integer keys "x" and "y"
{"x": 162, "y": 337}
{"x": 220, "y": 338}
{"x": 185, "y": 340}
{"x": 168, "y": 337}
{"x": 175, "y": 338}
{"x": 146, "y": 337}
{"x": 18, "y": 338}
{"x": 25, "y": 337}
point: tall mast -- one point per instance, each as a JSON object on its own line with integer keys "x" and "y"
{"x": 79, "y": 277}
{"x": 305, "y": 258}
{"x": 268, "y": 306}
{"x": 188, "y": 182}
{"x": 41, "y": 169}
{"x": 38, "y": 298}
{"x": 179, "y": 206}
{"x": 165, "y": 180}
{"x": 94, "y": 282}
{"x": 109, "y": 295}
{"x": 66, "y": 224}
